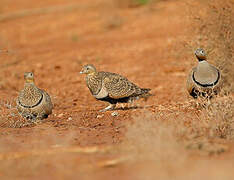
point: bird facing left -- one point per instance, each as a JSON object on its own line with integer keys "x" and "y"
{"x": 33, "y": 103}
{"x": 111, "y": 87}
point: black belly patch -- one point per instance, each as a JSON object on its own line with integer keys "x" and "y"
{"x": 209, "y": 94}
{"x": 114, "y": 101}
{"x": 195, "y": 93}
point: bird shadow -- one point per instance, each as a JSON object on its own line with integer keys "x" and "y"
{"x": 119, "y": 109}
{"x": 128, "y": 108}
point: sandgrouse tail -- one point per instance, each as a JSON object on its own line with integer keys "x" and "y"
{"x": 111, "y": 87}
{"x": 204, "y": 80}
{"x": 32, "y": 102}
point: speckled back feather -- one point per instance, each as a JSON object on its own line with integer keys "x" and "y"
{"x": 30, "y": 95}
{"x": 116, "y": 85}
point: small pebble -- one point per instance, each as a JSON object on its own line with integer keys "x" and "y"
{"x": 114, "y": 113}
{"x": 100, "y": 116}
{"x": 60, "y": 115}
{"x": 70, "y": 118}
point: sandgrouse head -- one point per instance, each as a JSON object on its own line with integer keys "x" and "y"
{"x": 200, "y": 54}
{"x": 88, "y": 69}
{"x": 29, "y": 77}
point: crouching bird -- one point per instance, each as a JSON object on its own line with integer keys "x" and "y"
{"x": 204, "y": 80}
{"x": 111, "y": 87}
{"x": 33, "y": 103}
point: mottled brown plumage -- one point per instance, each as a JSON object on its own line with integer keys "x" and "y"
{"x": 32, "y": 102}
{"x": 111, "y": 87}
{"x": 205, "y": 79}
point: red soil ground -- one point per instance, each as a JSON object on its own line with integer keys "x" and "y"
{"x": 55, "y": 43}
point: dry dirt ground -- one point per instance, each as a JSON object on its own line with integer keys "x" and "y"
{"x": 170, "y": 136}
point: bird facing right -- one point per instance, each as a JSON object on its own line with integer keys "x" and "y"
{"x": 204, "y": 80}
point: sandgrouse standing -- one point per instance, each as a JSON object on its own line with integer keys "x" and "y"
{"x": 32, "y": 102}
{"x": 111, "y": 87}
{"x": 204, "y": 80}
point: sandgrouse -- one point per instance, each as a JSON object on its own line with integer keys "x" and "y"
{"x": 204, "y": 80}
{"x": 32, "y": 102}
{"x": 111, "y": 87}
